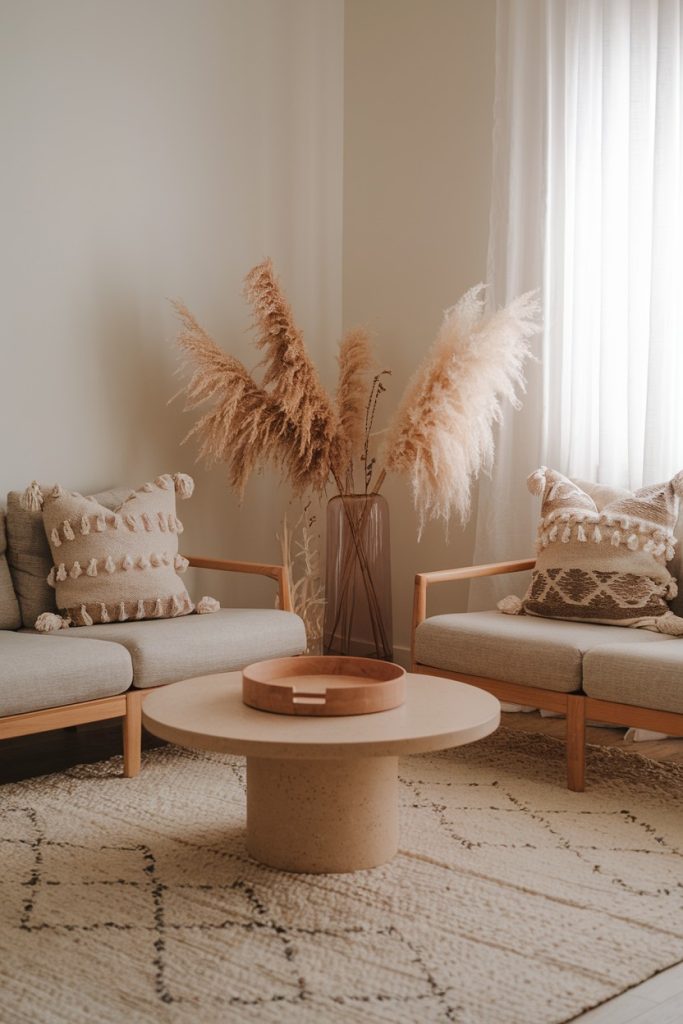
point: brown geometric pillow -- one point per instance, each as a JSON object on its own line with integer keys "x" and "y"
{"x": 604, "y": 565}
{"x": 115, "y": 566}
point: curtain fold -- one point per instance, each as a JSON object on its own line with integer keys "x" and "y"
{"x": 587, "y": 204}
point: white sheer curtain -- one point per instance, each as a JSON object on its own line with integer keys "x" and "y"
{"x": 587, "y": 204}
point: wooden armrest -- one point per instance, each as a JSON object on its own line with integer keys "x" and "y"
{"x": 274, "y": 572}
{"x": 471, "y": 572}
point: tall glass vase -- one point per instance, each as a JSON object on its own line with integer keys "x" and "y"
{"x": 358, "y": 577}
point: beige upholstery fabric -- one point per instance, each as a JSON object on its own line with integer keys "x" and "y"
{"x": 649, "y": 677}
{"x": 121, "y": 565}
{"x": 166, "y": 650}
{"x": 28, "y": 554}
{"x": 39, "y": 672}
{"x": 604, "y": 564}
{"x": 520, "y": 649}
{"x": 10, "y": 617}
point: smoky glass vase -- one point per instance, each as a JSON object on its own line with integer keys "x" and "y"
{"x": 358, "y": 577}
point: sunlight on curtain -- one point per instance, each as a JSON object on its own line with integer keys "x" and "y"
{"x": 587, "y": 203}
{"x": 613, "y": 347}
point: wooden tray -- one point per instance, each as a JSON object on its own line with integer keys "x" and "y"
{"x": 323, "y": 686}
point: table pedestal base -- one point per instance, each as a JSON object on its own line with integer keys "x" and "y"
{"x": 322, "y": 816}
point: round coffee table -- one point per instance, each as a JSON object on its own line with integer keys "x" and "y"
{"x": 322, "y": 793}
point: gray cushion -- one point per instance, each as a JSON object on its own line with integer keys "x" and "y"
{"x": 649, "y": 677}
{"x": 29, "y": 555}
{"x": 10, "y": 617}
{"x": 165, "y": 650}
{"x": 518, "y": 648}
{"x": 43, "y": 672}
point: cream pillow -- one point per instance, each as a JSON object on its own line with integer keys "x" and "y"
{"x": 603, "y": 563}
{"x": 113, "y": 566}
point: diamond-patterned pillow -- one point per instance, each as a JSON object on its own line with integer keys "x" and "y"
{"x": 607, "y": 564}
{"x": 112, "y": 566}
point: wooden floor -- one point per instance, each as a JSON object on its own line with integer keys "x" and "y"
{"x": 657, "y": 1001}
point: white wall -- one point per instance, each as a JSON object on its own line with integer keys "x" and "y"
{"x": 419, "y": 79}
{"x": 155, "y": 149}
{"x": 159, "y": 148}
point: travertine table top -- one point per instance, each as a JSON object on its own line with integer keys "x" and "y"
{"x": 208, "y": 713}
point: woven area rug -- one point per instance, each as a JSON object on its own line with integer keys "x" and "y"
{"x": 512, "y": 900}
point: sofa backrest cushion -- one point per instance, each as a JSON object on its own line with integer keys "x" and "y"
{"x": 10, "y": 616}
{"x": 28, "y": 554}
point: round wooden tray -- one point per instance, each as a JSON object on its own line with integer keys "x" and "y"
{"x": 323, "y": 686}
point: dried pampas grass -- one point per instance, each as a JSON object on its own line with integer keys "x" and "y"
{"x": 353, "y": 392}
{"x": 292, "y": 381}
{"x": 245, "y": 425}
{"x": 441, "y": 436}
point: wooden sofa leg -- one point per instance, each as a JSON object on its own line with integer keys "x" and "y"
{"x": 132, "y": 733}
{"x": 576, "y": 743}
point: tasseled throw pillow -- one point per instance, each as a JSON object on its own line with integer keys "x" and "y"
{"x": 114, "y": 566}
{"x": 604, "y": 565}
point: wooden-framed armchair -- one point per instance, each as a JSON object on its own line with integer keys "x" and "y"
{"x": 602, "y": 673}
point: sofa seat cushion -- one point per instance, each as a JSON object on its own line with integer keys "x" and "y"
{"x": 10, "y": 616}
{"x": 650, "y": 676}
{"x": 39, "y": 672}
{"x": 166, "y": 650}
{"x": 520, "y": 649}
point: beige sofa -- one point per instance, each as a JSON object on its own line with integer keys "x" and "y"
{"x": 88, "y": 674}
{"x": 629, "y": 677}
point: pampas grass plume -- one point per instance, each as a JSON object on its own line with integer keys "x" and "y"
{"x": 441, "y": 436}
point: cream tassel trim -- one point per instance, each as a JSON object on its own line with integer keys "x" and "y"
{"x": 58, "y": 492}
{"x": 147, "y": 522}
{"x": 615, "y": 539}
{"x": 122, "y": 612}
{"x": 633, "y": 542}
{"x": 670, "y": 624}
{"x": 155, "y": 559}
{"x": 48, "y": 622}
{"x": 147, "y": 487}
{"x": 51, "y": 579}
{"x": 552, "y": 535}
{"x": 597, "y": 536}
{"x": 67, "y": 530}
{"x": 180, "y": 564}
{"x": 581, "y": 534}
{"x": 100, "y": 524}
{"x": 87, "y": 621}
{"x": 178, "y": 526}
{"x": 104, "y": 614}
{"x": 92, "y": 568}
{"x": 171, "y": 522}
{"x": 176, "y": 606}
{"x": 140, "y": 610}
{"x": 85, "y": 525}
{"x": 165, "y": 482}
{"x": 143, "y": 562}
{"x": 566, "y": 535}
{"x": 131, "y": 522}
{"x": 184, "y": 485}
{"x": 75, "y": 571}
{"x": 55, "y": 539}
{"x": 32, "y": 500}
{"x": 61, "y": 573}
{"x": 162, "y": 522}
{"x": 207, "y": 605}
{"x": 109, "y": 564}
{"x": 166, "y": 558}
{"x": 126, "y": 563}
{"x": 158, "y": 611}
{"x": 511, "y": 605}
{"x": 536, "y": 483}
